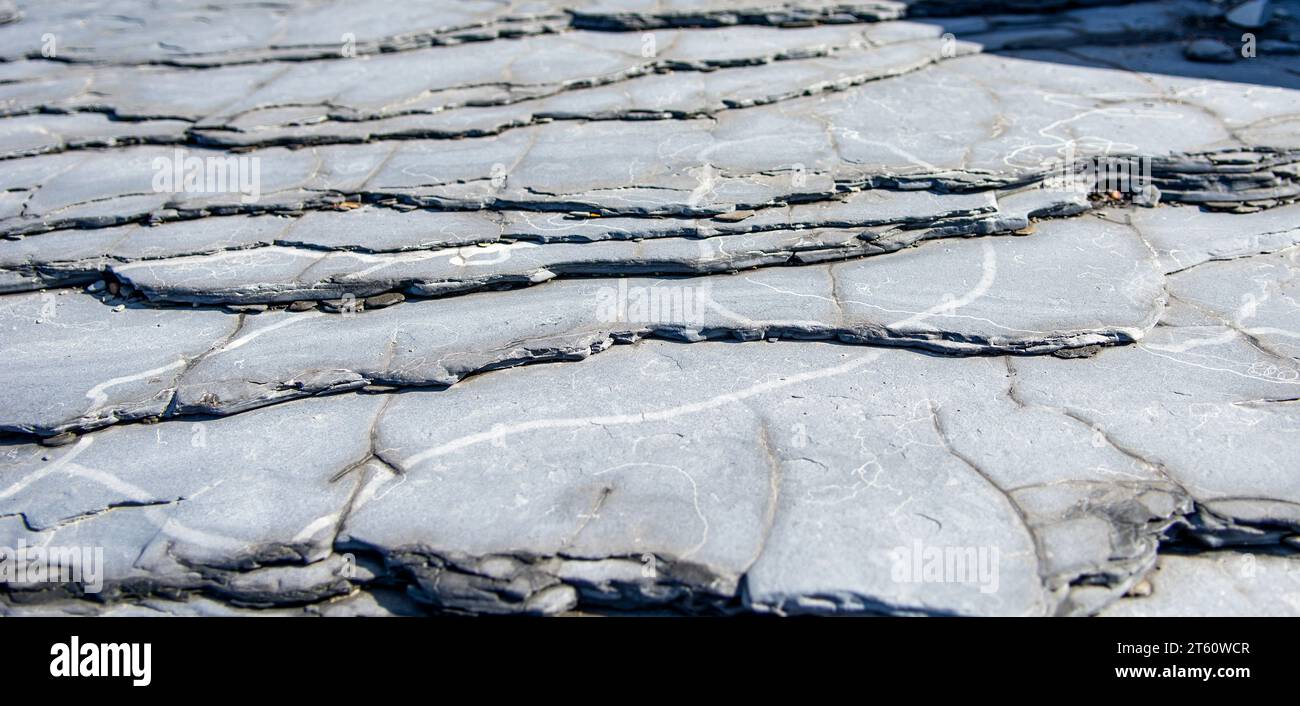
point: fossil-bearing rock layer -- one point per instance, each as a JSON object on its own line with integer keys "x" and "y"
{"x": 607, "y": 306}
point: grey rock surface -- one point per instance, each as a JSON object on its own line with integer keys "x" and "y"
{"x": 1231, "y": 585}
{"x": 719, "y": 307}
{"x": 964, "y": 298}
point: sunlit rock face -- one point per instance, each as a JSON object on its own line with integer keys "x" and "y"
{"x": 707, "y": 307}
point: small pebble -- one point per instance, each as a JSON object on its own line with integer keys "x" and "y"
{"x": 66, "y": 437}
{"x": 380, "y": 301}
{"x": 350, "y": 306}
{"x": 734, "y": 216}
{"x": 1252, "y": 14}
{"x": 1149, "y": 197}
{"x": 1211, "y": 50}
{"x": 1083, "y": 352}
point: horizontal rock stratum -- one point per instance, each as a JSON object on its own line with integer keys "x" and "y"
{"x": 923, "y": 307}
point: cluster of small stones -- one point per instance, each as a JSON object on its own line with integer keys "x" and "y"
{"x": 902, "y": 307}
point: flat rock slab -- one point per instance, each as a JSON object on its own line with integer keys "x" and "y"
{"x": 1245, "y": 585}
{"x": 926, "y": 307}
{"x": 812, "y": 472}
{"x": 71, "y": 357}
{"x": 281, "y": 274}
{"x": 1022, "y": 295}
